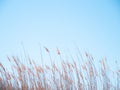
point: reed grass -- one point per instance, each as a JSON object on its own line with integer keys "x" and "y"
{"x": 69, "y": 76}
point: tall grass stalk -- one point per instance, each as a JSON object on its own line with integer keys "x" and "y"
{"x": 70, "y": 76}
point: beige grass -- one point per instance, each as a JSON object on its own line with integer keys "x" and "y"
{"x": 70, "y": 76}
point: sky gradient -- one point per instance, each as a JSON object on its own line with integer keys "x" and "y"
{"x": 93, "y": 26}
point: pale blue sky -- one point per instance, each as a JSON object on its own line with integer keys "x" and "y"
{"x": 92, "y": 25}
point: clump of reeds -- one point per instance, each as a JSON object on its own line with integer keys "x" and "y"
{"x": 70, "y": 76}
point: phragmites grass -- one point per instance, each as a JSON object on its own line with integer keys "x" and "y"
{"x": 84, "y": 75}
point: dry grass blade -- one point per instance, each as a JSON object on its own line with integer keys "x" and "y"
{"x": 67, "y": 76}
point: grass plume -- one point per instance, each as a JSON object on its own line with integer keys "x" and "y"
{"x": 69, "y": 76}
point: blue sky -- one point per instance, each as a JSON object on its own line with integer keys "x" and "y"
{"x": 93, "y": 26}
